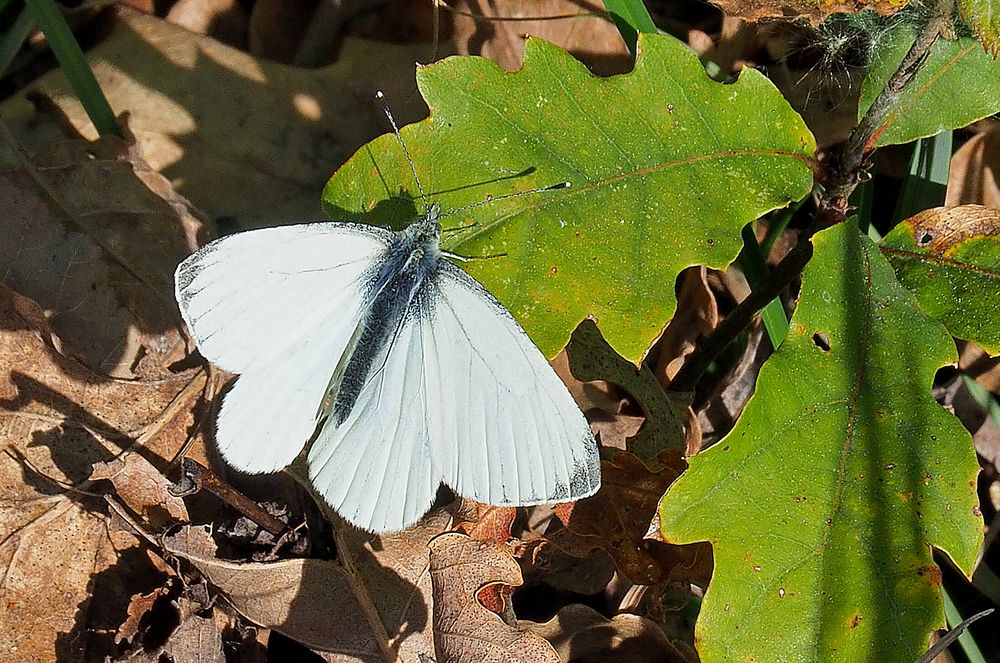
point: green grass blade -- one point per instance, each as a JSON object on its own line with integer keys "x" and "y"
{"x": 924, "y": 186}
{"x": 965, "y": 640}
{"x": 74, "y": 64}
{"x": 862, "y": 201}
{"x": 631, "y": 18}
{"x": 778, "y": 226}
{"x": 987, "y": 582}
{"x": 754, "y": 266}
{"x": 983, "y": 396}
{"x": 11, "y": 40}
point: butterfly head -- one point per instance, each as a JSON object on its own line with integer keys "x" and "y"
{"x": 426, "y": 228}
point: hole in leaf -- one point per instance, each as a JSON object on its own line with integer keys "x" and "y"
{"x": 925, "y": 238}
{"x": 822, "y": 341}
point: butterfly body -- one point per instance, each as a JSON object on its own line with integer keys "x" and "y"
{"x": 395, "y": 292}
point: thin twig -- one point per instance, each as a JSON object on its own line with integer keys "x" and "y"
{"x": 210, "y": 481}
{"x": 712, "y": 345}
{"x": 360, "y": 588}
{"x": 846, "y": 165}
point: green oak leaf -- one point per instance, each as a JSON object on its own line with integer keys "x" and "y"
{"x": 950, "y": 258}
{"x": 822, "y": 502}
{"x": 983, "y": 16}
{"x": 665, "y": 165}
{"x": 958, "y": 84}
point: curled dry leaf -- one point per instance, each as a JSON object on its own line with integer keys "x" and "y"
{"x": 618, "y": 517}
{"x": 492, "y": 523}
{"x": 316, "y": 602}
{"x": 240, "y": 137}
{"x": 697, "y": 315}
{"x": 57, "y": 552}
{"x": 142, "y": 488}
{"x": 730, "y": 393}
{"x": 93, "y": 235}
{"x": 138, "y": 606}
{"x": 580, "y": 634}
{"x": 463, "y": 629}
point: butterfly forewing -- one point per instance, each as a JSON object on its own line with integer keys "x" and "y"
{"x": 279, "y": 306}
{"x": 248, "y": 297}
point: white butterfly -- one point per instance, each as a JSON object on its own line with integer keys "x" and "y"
{"x": 400, "y": 367}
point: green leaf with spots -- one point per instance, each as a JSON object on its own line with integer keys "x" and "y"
{"x": 958, "y": 84}
{"x": 665, "y": 164}
{"x": 950, "y": 258}
{"x": 983, "y": 16}
{"x": 822, "y": 502}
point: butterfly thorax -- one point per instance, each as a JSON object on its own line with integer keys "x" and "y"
{"x": 396, "y": 290}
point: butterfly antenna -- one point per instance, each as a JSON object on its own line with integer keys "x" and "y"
{"x": 406, "y": 152}
{"x": 493, "y": 199}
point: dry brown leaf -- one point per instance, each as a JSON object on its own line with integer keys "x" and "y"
{"x": 592, "y": 358}
{"x": 66, "y": 576}
{"x": 578, "y": 26}
{"x": 138, "y": 606}
{"x": 697, "y": 315}
{"x": 93, "y": 235}
{"x": 730, "y": 393}
{"x": 580, "y": 634}
{"x": 308, "y": 600}
{"x": 196, "y": 640}
{"x": 617, "y": 519}
{"x": 600, "y": 400}
{"x": 238, "y": 136}
{"x": 547, "y": 565}
{"x": 183, "y": 631}
{"x": 463, "y": 629}
{"x": 974, "y": 173}
{"x": 315, "y": 602}
{"x": 492, "y": 523}
{"x": 812, "y": 10}
{"x": 142, "y": 488}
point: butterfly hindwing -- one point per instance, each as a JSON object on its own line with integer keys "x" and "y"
{"x": 377, "y": 468}
{"x": 507, "y": 430}
{"x": 460, "y": 395}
